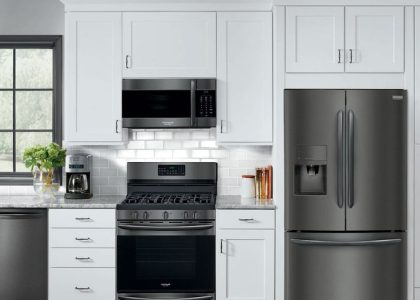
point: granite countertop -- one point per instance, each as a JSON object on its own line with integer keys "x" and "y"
{"x": 16, "y": 201}
{"x": 236, "y": 202}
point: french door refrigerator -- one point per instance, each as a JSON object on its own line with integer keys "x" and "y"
{"x": 345, "y": 173}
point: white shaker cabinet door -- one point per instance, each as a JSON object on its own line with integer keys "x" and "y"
{"x": 245, "y": 264}
{"x": 315, "y": 39}
{"x": 169, "y": 44}
{"x": 244, "y": 77}
{"x": 375, "y": 39}
{"x": 93, "y": 77}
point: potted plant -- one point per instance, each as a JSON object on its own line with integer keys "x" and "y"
{"x": 43, "y": 161}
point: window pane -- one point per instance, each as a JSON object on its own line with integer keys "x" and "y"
{"x": 6, "y": 68}
{"x": 34, "y": 68}
{"x": 6, "y": 152}
{"x": 29, "y": 139}
{"x": 6, "y": 110}
{"x": 34, "y": 110}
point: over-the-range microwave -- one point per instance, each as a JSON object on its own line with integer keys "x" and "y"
{"x": 169, "y": 103}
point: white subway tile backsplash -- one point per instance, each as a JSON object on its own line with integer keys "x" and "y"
{"x": 145, "y": 154}
{"x": 164, "y": 135}
{"x": 109, "y": 174}
{"x": 200, "y": 153}
{"x": 154, "y": 144}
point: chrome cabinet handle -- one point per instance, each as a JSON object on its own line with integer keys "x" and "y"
{"x": 116, "y": 126}
{"x": 84, "y": 219}
{"x": 349, "y": 243}
{"x": 339, "y": 56}
{"x": 221, "y": 246}
{"x": 82, "y": 258}
{"x": 351, "y": 56}
{"x": 223, "y": 126}
{"x": 81, "y": 289}
{"x": 248, "y": 220}
{"x": 83, "y": 239}
{"x": 127, "y": 59}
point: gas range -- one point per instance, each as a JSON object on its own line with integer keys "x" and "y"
{"x": 165, "y": 221}
{"x": 169, "y": 191}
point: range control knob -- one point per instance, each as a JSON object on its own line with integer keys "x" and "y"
{"x": 185, "y": 215}
{"x": 134, "y": 215}
{"x": 196, "y": 215}
{"x": 145, "y": 215}
{"x": 165, "y": 215}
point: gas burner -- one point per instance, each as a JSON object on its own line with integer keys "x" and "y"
{"x": 169, "y": 198}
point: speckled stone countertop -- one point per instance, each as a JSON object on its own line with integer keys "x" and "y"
{"x": 16, "y": 201}
{"x": 236, "y": 202}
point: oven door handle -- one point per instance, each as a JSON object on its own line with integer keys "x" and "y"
{"x": 165, "y": 228}
{"x": 183, "y": 298}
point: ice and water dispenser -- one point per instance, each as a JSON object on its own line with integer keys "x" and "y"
{"x": 311, "y": 170}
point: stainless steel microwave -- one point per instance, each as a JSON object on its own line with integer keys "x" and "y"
{"x": 169, "y": 103}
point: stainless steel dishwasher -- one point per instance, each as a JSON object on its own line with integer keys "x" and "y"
{"x": 23, "y": 254}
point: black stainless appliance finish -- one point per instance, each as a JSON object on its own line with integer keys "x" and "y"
{"x": 345, "y": 158}
{"x": 169, "y": 103}
{"x": 166, "y": 232}
{"x": 23, "y": 254}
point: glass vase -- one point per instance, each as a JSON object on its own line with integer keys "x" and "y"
{"x": 46, "y": 182}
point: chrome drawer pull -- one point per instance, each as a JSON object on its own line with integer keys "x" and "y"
{"x": 83, "y": 239}
{"x": 83, "y": 258}
{"x": 249, "y": 220}
{"x": 84, "y": 219}
{"x": 82, "y": 289}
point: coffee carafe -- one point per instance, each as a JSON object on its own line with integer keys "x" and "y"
{"x": 78, "y": 177}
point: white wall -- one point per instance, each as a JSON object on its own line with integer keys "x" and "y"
{"x": 26, "y": 17}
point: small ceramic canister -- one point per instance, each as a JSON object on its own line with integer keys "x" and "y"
{"x": 248, "y": 186}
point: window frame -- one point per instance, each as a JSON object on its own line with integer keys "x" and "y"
{"x": 53, "y": 42}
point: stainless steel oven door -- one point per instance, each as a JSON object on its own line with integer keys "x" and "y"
{"x": 166, "y": 257}
{"x": 166, "y": 296}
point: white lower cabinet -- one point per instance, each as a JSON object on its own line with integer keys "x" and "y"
{"x": 416, "y": 294}
{"x": 82, "y": 254}
{"x": 244, "y": 258}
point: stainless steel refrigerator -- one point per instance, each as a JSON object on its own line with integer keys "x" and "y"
{"x": 345, "y": 173}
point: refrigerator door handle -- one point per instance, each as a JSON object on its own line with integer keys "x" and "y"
{"x": 341, "y": 158}
{"x": 350, "y": 160}
{"x": 350, "y": 243}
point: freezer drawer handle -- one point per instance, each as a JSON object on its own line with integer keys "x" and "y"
{"x": 352, "y": 243}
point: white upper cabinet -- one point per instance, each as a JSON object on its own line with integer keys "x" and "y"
{"x": 375, "y": 39}
{"x": 93, "y": 77}
{"x": 315, "y": 39}
{"x": 169, "y": 44}
{"x": 244, "y": 77}
{"x": 335, "y": 39}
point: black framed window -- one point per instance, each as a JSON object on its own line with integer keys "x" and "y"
{"x": 30, "y": 100}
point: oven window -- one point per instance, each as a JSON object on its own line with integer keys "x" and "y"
{"x": 166, "y": 263}
{"x": 156, "y": 104}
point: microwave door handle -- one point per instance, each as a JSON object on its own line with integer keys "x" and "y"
{"x": 209, "y": 297}
{"x": 193, "y": 102}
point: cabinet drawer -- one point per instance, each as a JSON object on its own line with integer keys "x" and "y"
{"x": 82, "y": 218}
{"x": 80, "y": 238}
{"x": 81, "y": 284}
{"x": 82, "y": 258}
{"x": 245, "y": 219}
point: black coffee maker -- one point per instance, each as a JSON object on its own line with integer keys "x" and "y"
{"x": 78, "y": 176}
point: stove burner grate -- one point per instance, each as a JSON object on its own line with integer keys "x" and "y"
{"x": 169, "y": 198}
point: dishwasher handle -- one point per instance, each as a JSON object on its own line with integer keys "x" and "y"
{"x": 19, "y": 215}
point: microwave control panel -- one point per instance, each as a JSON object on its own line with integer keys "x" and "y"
{"x": 206, "y": 104}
